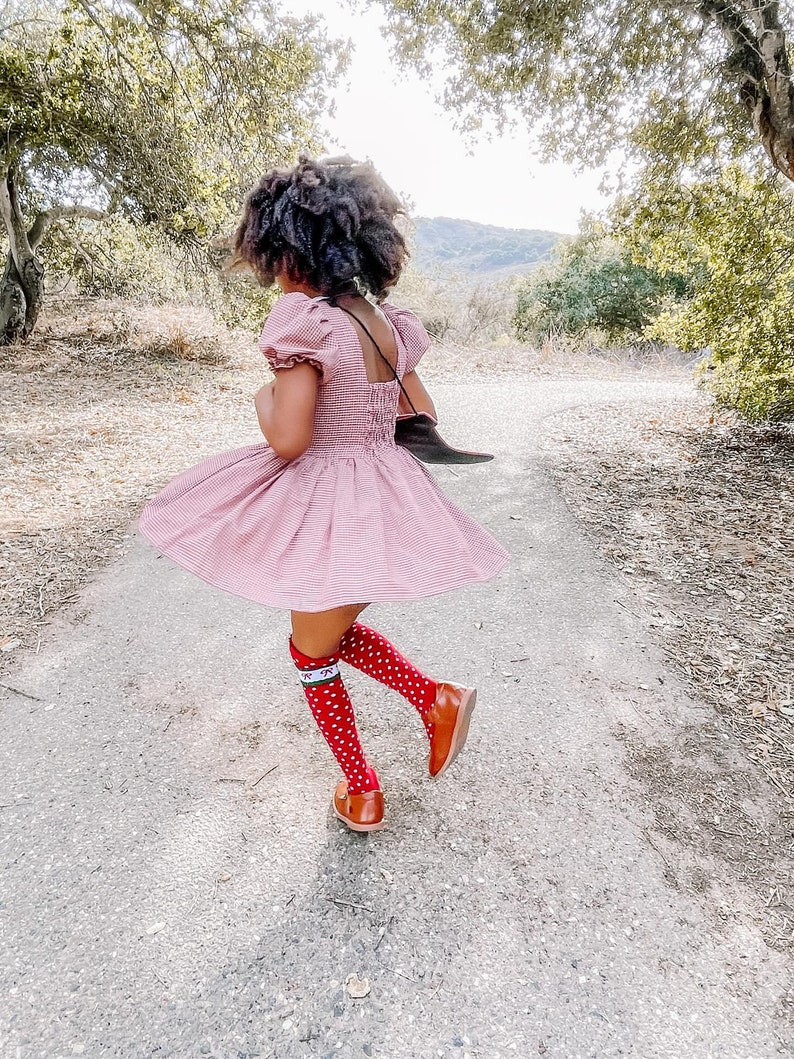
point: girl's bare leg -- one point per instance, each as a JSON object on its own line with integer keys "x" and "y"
{"x": 314, "y": 648}
{"x": 318, "y": 635}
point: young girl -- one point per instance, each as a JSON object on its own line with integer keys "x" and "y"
{"x": 330, "y": 515}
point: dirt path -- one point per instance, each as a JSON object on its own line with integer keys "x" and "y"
{"x": 175, "y": 886}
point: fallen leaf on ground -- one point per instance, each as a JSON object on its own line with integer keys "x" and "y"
{"x": 356, "y": 987}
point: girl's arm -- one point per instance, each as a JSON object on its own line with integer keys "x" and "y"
{"x": 285, "y": 410}
{"x": 422, "y": 400}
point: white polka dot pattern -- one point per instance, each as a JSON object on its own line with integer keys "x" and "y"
{"x": 369, "y": 651}
{"x": 333, "y": 713}
{"x": 354, "y": 519}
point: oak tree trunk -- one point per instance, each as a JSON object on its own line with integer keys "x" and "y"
{"x": 22, "y": 285}
{"x": 774, "y": 113}
{"x": 12, "y": 305}
{"x": 21, "y": 298}
{"x": 760, "y": 58}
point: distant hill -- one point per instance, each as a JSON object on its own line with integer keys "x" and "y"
{"x": 480, "y": 249}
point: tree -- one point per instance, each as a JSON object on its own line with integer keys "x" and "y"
{"x": 680, "y": 80}
{"x": 593, "y": 286}
{"x": 733, "y": 236}
{"x": 161, "y": 112}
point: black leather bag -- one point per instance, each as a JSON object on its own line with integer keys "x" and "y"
{"x": 417, "y": 432}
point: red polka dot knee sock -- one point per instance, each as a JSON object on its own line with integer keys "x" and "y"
{"x": 371, "y": 652}
{"x": 333, "y": 711}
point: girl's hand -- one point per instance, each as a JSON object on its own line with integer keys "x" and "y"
{"x": 422, "y": 401}
{"x": 285, "y": 410}
{"x": 265, "y": 394}
{"x": 263, "y": 402}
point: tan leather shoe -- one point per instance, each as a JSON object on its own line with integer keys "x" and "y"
{"x": 450, "y": 715}
{"x": 361, "y": 812}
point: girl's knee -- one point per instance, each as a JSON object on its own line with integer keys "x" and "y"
{"x": 315, "y": 646}
{"x": 318, "y": 634}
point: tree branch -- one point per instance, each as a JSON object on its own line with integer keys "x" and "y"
{"x": 746, "y": 57}
{"x": 59, "y": 213}
{"x": 760, "y": 58}
{"x": 15, "y": 226}
{"x": 774, "y": 56}
{"x": 112, "y": 45}
{"x": 155, "y": 36}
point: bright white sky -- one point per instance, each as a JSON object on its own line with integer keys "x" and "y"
{"x": 390, "y": 116}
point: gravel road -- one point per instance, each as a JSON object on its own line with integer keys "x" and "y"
{"x": 175, "y": 886}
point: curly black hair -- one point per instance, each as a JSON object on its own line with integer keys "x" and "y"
{"x": 326, "y": 222}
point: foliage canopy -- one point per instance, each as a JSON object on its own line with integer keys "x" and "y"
{"x": 163, "y": 113}
{"x": 678, "y": 80}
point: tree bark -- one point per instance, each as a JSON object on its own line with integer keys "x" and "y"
{"x": 13, "y": 305}
{"x": 775, "y": 120}
{"x": 22, "y": 290}
{"x": 760, "y": 58}
{"x": 22, "y": 284}
{"x": 21, "y": 299}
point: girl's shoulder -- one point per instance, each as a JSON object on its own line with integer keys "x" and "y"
{"x": 411, "y": 330}
{"x": 297, "y": 314}
{"x": 299, "y": 329}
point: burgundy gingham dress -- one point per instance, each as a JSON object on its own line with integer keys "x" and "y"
{"x": 354, "y": 519}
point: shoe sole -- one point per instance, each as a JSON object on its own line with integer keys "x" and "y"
{"x": 354, "y": 826}
{"x": 461, "y": 730}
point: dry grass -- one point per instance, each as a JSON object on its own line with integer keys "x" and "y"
{"x": 554, "y": 358}
{"x": 94, "y": 331}
{"x": 105, "y": 404}
{"x": 698, "y": 513}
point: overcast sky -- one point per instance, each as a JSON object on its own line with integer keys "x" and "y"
{"x": 391, "y": 117}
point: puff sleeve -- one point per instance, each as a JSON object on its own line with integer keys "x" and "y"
{"x": 412, "y": 332}
{"x": 299, "y": 330}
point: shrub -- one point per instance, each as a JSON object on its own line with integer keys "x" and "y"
{"x": 118, "y": 259}
{"x": 456, "y": 308}
{"x": 115, "y": 258}
{"x": 734, "y": 236}
{"x": 593, "y": 289}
